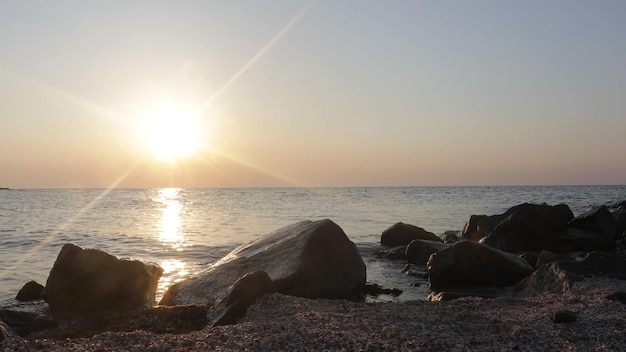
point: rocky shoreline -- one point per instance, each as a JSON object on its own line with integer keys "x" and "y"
{"x": 533, "y": 278}
{"x": 286, "y": 323}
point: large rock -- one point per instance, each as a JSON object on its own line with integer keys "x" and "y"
{"x": 595, "y": 230}
{"x": 531, "y": 227}
{"x": 401, "y": 234}
{"x": 560, "y": 276}
{"x": 418, "y": 251}
{"x": 306, "y": 259}
{"x": 86, "y": 280}
{"x": 471, "y": 264}
{"x": 620, "y": 217}
{"x": 240, "y": 297}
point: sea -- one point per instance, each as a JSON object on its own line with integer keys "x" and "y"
{"x": 185, "y": 230}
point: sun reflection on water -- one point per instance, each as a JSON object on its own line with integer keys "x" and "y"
{"x": 171, "y": 222}
{"x": 171, "y": 236}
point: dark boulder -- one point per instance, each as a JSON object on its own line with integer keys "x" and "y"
{"x": 306, "y": 259}
{"x": 240, "y": 297}
{"x": 401, "y": 234}
{"x": 418, "y": 251}
{"x": 620, "y": 218}
{"x": 583, "y": 240}
{"x": 471, "y": 264}
{"x": 560, "y": 276}
{"x": 26, "y": 323}
{"x": 451, "y": 238}
{"x": 599, "y": 221}
{"x": 470, "y": 230}
{"x": 29, "y": 292}
{"x": 546, "y": 257}
{"x": 531, "y": 227}
{"x": 86, "y": 280}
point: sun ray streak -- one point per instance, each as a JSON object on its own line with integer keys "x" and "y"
{"x": 67, "y": 223}
{"x": 256, "y": 57}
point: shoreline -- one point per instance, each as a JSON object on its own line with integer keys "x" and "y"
{"x": 278, "y": 322}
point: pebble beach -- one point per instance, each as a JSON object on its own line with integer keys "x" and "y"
{"x": 284, "y": 323}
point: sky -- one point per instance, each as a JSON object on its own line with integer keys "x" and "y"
{"x": 311, "y": 93}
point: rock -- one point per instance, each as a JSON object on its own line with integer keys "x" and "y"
{"x": 158, "y": 320}
{"x": 563, "y": 317}
{"x": 240, "y": 297}
{"x": 620, "y": 219}
{"x": 451, "y": 238}
{"x": 531, "y": 258}
{"x": 306, "y": 259}
{"x": 559, "y": 277}
{"x": 6, "y": 334}
{"x": 618, "y": 296}
{"x": 394, "y": 253}
{"x": 583, "y": 240}
{"x": 87, "y": 280}
{"x": 30, "y": 292}
{"x": 401, "y": 234}
{"x": 546, "y": 257}
{"x": 470, "y": 264}
{"x": 418, "y": 251}
{"x": 531, "y": 227}
{"x": 470, "y": 230}
{"x": 376, "y": 290}
{"x": 599, "y": 228}
{"x": 26, "y": 323}
{"x": 547, "y": 278}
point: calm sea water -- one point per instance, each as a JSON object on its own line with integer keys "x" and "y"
{"x": 184, "y": 230}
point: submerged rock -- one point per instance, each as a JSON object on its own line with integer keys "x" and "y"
{"x": 306, "y": 259}
{"x": 470, "y": 264}
{"x": 85, "y": 280}
{"x": 401, "y": 234}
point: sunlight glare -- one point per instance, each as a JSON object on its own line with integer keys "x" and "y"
{"x": 171, "y": 222}
{"x": 171, "y": 132}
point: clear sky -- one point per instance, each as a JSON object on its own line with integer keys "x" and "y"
{"x": 299, "y": 93}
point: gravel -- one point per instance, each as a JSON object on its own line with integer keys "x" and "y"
{"x": 283, "y": 323}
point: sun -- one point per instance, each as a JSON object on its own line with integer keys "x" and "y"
{"x": 171, "y": 132}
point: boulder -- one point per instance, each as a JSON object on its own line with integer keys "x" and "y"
{"x": 25, "y": 323}
{"x": 593, "y": 231}
{"x": 470, "y": 230}
{"x": 451, "y": 238}
{"x": 418, "y": 251}
{"x": 401, "y": 234}
{"x": 306, "y": 259}
{"x": 531, "y": 227}
{"x": 471, "y": 264}
{"x": 87, "y": 280}
{"x": 620, "y": 217}
{"x": 560, "y": 276}
{"x": 240, "y": 297}
{"x": 30, "y": 292}
{"x": 546, "y": 257}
